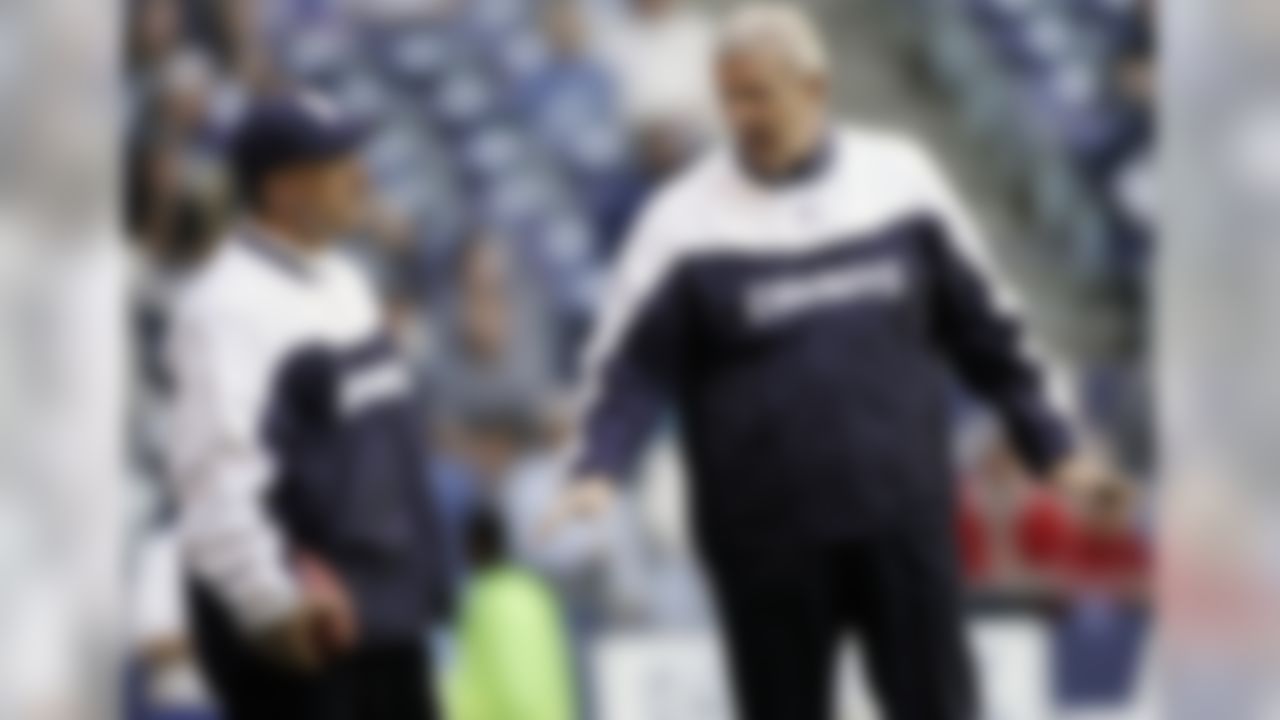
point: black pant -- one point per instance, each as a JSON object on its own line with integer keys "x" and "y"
{"x": 783, "y": 615}
{"x": 388, "y": 682}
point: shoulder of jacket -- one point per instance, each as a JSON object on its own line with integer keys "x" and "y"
{"x": 890, "y": 152}
{"x": 348, "y": 272}
{"x": 227, "y": 286}
{"x": 680, "y": 207}
{"x": 885, "y": 143}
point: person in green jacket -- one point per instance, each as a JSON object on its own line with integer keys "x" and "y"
{"x": 513, "y": 659}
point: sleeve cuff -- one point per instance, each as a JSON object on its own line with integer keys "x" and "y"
{"x": 259, "y": 607}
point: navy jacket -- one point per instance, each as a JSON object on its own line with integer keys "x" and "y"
{"x": 803, "y": 334}
{"x": 296, "y": 427}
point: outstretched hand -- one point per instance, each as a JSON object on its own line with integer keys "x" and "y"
{"x": 584, "y": 497}
{"x": 1081, "y": 477}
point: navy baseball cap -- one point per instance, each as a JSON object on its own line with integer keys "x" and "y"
{"x": 285, "y": 131}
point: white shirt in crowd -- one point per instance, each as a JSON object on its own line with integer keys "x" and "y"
{"x": 662, "y": 65}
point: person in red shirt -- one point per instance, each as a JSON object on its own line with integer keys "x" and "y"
{"x": 1017, "y": 536}
{"x": 1011, "y": 529}
{"x": 1101, "y": 590}
{"x": 1106, "y": 554}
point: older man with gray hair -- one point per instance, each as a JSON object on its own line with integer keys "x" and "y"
{"x": 798, "y": 300}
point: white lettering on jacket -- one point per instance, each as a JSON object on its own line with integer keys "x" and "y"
{"x": 377, "y": 383}
{"x": 772, "y": 301}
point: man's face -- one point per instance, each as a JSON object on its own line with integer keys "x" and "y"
{"x": 775, "y": 112}
{"x": 323, "y": 199}
{"x": 486, "y": 321}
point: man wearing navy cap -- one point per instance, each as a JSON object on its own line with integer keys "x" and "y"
{"x": 296, "y": 447}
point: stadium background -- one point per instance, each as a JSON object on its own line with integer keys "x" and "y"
{"x": 517, "y": 138}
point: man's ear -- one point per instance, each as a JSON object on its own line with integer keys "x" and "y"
{"x": 280, "y": 192}
{"x": 820, "y": 87}
{"x": 270, "y": 194}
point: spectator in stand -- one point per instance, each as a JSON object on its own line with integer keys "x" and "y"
{"x": 237, "y": 28}
{"x": 192, "y": 107}
{"x": 661, "y": 54}
{"x": 227, "y": 31}
{"x": 1015, "y": 535}
{"x": 1103, "y": 576}
{"x": 1018, "y": 542}
{"x": 1121, "y": 167}
{"x": 1133, "y": 183}
{"x": 571, "y": 104}
{"x": 178, "y": 192}
{"x": 173, "y": 224}
{"x": 493, "y": 390}
{"x": 155, "y": 32}
{"x": 1105, "y": 555}
{"x": 514, "y": 658}
{"x": 572, "y": 91}
{"x": 1011, "y": 529}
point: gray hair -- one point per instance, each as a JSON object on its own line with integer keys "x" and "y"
{"x": 782, "y": 26}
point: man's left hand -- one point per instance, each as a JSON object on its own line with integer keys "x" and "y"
{"x": 1081, "y": 476}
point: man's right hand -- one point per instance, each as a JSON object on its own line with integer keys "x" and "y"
{"x": 585, "y": 497}
{"x": 292, "y": 641}
{"x": 321, "y": 628}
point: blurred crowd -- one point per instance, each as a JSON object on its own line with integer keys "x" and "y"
{"x": 1062, "y": 95}
{"x": 514, "y": 142}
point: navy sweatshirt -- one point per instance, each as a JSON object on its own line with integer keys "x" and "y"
{"x": 802, "y": 331}
{"x": 296, "y": 427}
